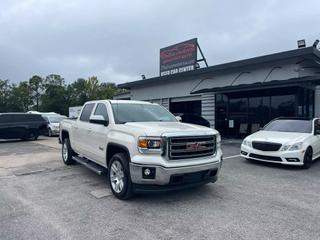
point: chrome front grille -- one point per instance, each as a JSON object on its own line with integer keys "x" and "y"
{"x": 191, "y": 147}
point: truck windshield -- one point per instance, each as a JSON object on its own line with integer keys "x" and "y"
{"x": 135, "y": 112}
{"x": 290, "y": 125}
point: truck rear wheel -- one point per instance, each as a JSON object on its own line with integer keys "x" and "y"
{"x": 67, "y": 152}
{"x": 119, "y": 176}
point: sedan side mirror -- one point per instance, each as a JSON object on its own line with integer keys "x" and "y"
{"x": 179, "y": 118}
{"x": 98, "y": 119}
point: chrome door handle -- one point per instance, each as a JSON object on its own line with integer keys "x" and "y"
{"x": 90, "y": 130}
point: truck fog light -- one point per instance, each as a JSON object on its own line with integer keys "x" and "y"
{"x": 148, "y": 173}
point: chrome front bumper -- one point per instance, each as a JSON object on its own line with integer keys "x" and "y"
{"x": 163, "y": 175}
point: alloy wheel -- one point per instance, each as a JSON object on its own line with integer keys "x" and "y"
{"x": 65, "y": 152}
{"x": 117, "y": 176}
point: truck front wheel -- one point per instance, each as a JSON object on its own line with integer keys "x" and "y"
{"x": 67, "y": 152}
{"x": 119, "y": 176}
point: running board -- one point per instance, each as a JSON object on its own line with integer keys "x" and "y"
{"x": 89, "y": 164}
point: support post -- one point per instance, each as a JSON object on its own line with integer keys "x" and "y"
{"x": 317, "y": 101}
{"x": 208, "y": 107}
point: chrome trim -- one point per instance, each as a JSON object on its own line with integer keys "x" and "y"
{"x": 163, "y": 174}
{"x": 204, "y": 141}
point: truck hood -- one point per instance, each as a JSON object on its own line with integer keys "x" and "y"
{"x": 278, "y": 137}
{"x": 167, "y": 128}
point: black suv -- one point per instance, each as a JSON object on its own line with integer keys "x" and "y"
{"x": 21, "y": 125}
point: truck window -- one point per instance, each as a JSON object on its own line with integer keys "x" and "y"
{"x": 102, "y": 110}
{"x": 86, "y": 112}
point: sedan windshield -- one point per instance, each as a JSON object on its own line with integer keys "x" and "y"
{"x": 55, "y": 119}
{"x": 135, "y": 112}
{"x": 290, "y": 125}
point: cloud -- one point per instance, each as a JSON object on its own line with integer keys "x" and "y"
{"x": 120, "y": 40}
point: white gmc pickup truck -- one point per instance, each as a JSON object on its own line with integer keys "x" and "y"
{"x": 143, "y": 146}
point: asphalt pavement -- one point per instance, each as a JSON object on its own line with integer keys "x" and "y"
{"x": 40, "y": 198}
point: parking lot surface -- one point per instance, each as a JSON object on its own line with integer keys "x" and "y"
{"x": 41, "y": 198}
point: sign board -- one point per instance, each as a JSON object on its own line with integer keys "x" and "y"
{"x": 181, "y": 57}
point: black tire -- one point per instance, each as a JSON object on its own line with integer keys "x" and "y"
{"x": 126, "y": 190}
{"x": 33, "y": 135}
{"x": 307, "y": 159}
{"x": 67, "y": 152}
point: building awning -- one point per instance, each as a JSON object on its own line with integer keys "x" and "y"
{"x": 301, "y": 81}
{"x": 302, "y": 55}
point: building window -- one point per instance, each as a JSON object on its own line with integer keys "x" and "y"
{"x": 282, "y": 106}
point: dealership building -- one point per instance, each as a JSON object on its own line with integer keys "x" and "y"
{"x": 239, "y": 97}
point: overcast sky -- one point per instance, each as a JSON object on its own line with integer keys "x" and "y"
{"x": 120, "y": 40}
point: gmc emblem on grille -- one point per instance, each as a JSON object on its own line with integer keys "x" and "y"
{"x": 196, "y": 146}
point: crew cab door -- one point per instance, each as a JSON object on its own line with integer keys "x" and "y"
{"x": 99, "y": 133}
{"x": 81, "y": 131}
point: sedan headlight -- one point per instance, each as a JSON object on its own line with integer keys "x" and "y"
{"x": 247, "y": 143}
{"x": 285, "y": 148}
{"x": 150, "y": 144}
{"x": 293, "y": 147}
{"x": 296, "y": 146}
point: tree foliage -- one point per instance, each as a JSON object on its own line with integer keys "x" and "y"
{"x": 52, "y": 94}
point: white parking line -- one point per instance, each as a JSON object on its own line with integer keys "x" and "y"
{"x": 234, "y": 156}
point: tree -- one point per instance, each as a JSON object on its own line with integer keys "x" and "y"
{"x": 36, "y": 84}
{"x": 54, "y": 98}
{"x": 77, "y": 92}
{"x": 107, "y": 90}
{"x": 20, "y": 98}
{"x": 51, "y": 94}
{"x": 92, "y": 88}
{"x": 54, "y": 79}
{"x": 4, "y": 95}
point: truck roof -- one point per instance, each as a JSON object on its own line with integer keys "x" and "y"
{"x": 121, "y": 101}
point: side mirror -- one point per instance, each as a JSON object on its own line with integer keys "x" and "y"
{"x": 179, "y": 118}
{"x": 98, "y": 119}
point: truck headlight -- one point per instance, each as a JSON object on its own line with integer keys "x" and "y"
{"x": 150, "y": 144}
{"x": 218, "y": 139}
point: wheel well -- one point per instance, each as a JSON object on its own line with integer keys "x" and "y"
{"x": 33, "y": 130}
{"x": 309, "y": 147}
{"x": 64, "y": 134}
{"x": 114, "y": 148}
